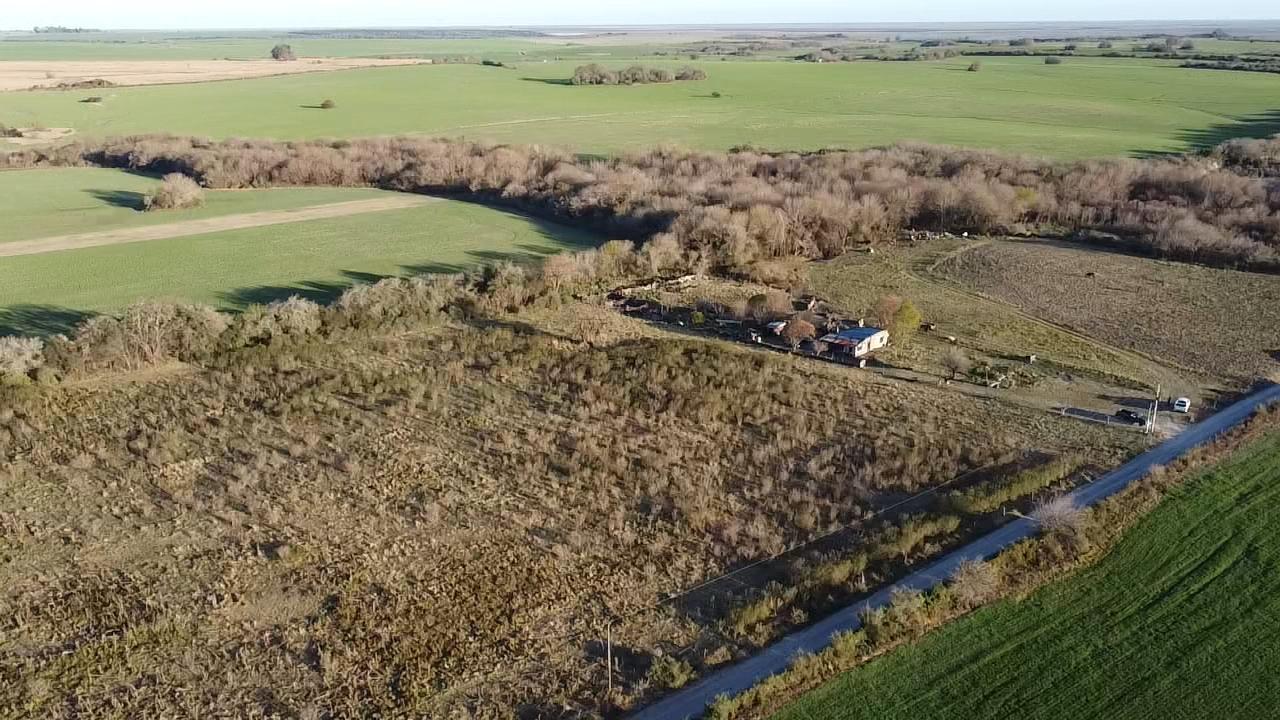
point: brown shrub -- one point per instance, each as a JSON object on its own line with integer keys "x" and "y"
{"x": 730, "y": 211}
{"x": 176, "y": 192}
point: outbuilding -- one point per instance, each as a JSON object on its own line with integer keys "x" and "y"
{"x": 858, "y": 342}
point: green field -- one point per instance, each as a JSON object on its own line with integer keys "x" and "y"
{"x": 1085, "y": 107}
{"x": 44, "y": 203}
{"x": 318, "y": 259}
{"x": 1179, "y": 621}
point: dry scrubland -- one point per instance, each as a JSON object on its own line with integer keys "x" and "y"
{"x": 298, "y": 485}
{"x": 299, "y": 465}
{"x": 1218, "y": 322}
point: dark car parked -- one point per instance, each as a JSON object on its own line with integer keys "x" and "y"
{"x": 1131, "y": 417}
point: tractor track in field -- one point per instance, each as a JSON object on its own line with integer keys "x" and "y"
{"x": 204, "y": 226}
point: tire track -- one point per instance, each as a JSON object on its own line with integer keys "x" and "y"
{"x": 204, "y": 226}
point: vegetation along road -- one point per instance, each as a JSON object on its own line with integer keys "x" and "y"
{"x": 693, "y": 700}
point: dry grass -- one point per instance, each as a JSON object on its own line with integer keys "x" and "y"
{"x": 1222, "y": 323}
{"x": 858, "y": 282}
{"x": 434, "y": 521}
{"x": 24, "y": 75}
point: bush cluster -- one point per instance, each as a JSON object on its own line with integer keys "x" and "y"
{"x": 988, "y": 497}
{"x": 736, "y": 212}
{"x": 176, "y": 192}
{"x": 595, "y": 74}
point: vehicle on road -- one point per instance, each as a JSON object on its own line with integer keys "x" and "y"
{"x": 1131, "y": 417}
{"x": 1182, "y": 405}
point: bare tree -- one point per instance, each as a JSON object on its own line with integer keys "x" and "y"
{"x": 797, "y": 331}
{"x": 885, "y": 310}
{"x": 956, "y": 362}
{"x": 1059, "y": 516}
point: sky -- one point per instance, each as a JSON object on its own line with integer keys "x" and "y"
{"x": 203, "y": 14}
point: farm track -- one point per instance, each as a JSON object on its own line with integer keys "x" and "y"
{"x": 926, "y": 272}
{"x": 210, "y": 225}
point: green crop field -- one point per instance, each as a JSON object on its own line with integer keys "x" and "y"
{"x": 1084, "y": 107}
{"x": 1179, "y": 621}
{"x": 318, "y": 259}
{"x": 44, "y": 203}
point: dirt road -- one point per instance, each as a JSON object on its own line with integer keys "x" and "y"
{"x": 210, "y": 225}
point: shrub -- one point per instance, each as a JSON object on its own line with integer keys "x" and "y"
{"x": 1106, "y": 45}
{"x": 974, "y": 583}
{"x": 1053, "y": 60}
{"x": 989, "y": 497}
{"x": 143, "y": 334}
{"x": 716, "y": 94}
{"x": 1059, "y": 515}
{"x": 176, "y": 192}
{"x": 669, "y": 673}
{"x": 283, "y": 53}
{"x": 975, "y": 66}
{"x": 92, "y": 99}
{"x": 19, "y": 356}
{"x": 328, "y": 105}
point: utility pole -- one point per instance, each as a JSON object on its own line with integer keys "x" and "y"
{"x": 1155, "y": 412}
{"x": 608, "y": 658}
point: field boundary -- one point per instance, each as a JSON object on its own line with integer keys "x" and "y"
{"x": 205, "y": 226}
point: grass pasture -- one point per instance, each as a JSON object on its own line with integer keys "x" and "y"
{"x": 61, "y": 201}
{"x": 1218, "y": 322}
{"x": 1085, "y": 107}
{"x": 1177, "y": 622}
{"x": 318, "y": 259}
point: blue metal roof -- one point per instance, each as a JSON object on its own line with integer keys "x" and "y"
{"x": 858, "y": 334}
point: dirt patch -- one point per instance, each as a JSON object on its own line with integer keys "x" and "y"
{"x": 40, "y": 75}
{"x": 209, "y": 225}
{"x": 1221, "y": 322}
{"x": 40, "y": 136}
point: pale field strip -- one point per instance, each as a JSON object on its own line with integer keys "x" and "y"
{"x": 209, "y": 225}
{"x": 38, "y": 74}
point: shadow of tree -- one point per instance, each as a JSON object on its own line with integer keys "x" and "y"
{"x": 1261, "y": 125}
{"x": 548, "y": 81}
{"x": 118, "y": 198}
{"x": 40, "y": 319}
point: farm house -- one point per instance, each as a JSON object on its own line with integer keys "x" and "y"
{"x": 858, "y": 342}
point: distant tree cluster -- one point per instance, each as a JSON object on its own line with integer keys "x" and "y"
{"x": 595, "y": 74}
{"x": 1268, "y": 65}
{"x": 283, "y": 53}
{"x": 61, "y": 30}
